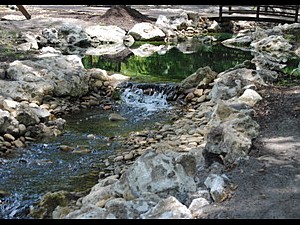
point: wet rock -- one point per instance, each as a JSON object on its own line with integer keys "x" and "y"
{"x": 49, "y": 202}
{"x": 82, "y": 151}
{"x": 91, "y": 136}
{"x": 66, "y": 148}
{"x": 115, "y": 117}
{"x": 4, "y": 193}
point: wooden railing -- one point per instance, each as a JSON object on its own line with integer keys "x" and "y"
{"x": 268, "y": 13}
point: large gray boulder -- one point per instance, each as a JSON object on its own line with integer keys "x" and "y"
{"x": 146, "y": 32}
{"x": 164, "y": 174}
{"x": 202, "y": 77}
{"x": 231, "y": 83}
{"x": 58, "y": 76}
{"x": 230, "y": 134}
{"x": 105, "y": 34}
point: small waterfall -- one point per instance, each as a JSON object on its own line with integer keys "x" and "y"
{"x": 147, "y": 98}
{"x": 137, "y": 99}
{"x": 43, "y": 167}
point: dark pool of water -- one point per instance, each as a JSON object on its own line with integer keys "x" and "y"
{"x": 174, "y": 65}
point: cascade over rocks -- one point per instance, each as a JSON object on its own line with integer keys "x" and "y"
{"x": 167, "y": 181}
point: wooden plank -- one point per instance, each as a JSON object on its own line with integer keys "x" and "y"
{"x": 252, "y": 18}
{"x": 24, "y": 11}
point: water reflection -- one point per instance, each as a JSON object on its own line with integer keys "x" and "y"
{"x": 169, "y": 63}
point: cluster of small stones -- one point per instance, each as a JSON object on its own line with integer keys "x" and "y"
{"x": 19, "y": 135}
{"x": 186, "y": 133}
{"x": 204, "y": 26}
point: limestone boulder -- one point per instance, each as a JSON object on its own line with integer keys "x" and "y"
{"x": 146, "y": 32}
{"x": 105, "y": 34}
{"x": 57, "y": 76}
{"x": 169, "y": 208}
{"x": 202, "y": 77}
{"x": 163, "y": 174}
{"x": 230, "y": 134}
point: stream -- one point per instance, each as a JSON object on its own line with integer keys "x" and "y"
{"x": 43, "y": 167}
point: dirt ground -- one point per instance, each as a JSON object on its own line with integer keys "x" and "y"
{"x": 268, "y": 184}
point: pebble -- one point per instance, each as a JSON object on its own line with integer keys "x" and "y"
{"x": 65, "y": 148}
{"x": 118, "y": 158}
{"x": 18, "y": 143}
{"x": 8, "y": 137}
{"x": 128, "y": 156}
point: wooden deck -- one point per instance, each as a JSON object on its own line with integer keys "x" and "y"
{"x": 264, "y": 13}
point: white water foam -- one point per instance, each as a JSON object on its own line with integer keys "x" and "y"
{"x": 136, "y": 99}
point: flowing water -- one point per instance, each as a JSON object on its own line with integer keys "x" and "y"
{"x": 43, "y": 167}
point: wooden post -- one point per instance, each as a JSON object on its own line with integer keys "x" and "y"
{"x": 24, "y": 11}
{"x": 257, "y": 13}
{"x": 229, "y": 10}
{"x": 296, "y": 13}
{"x": 220, "y": 13}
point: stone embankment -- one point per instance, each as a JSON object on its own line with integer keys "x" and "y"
{"x": 171, "y": 172}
